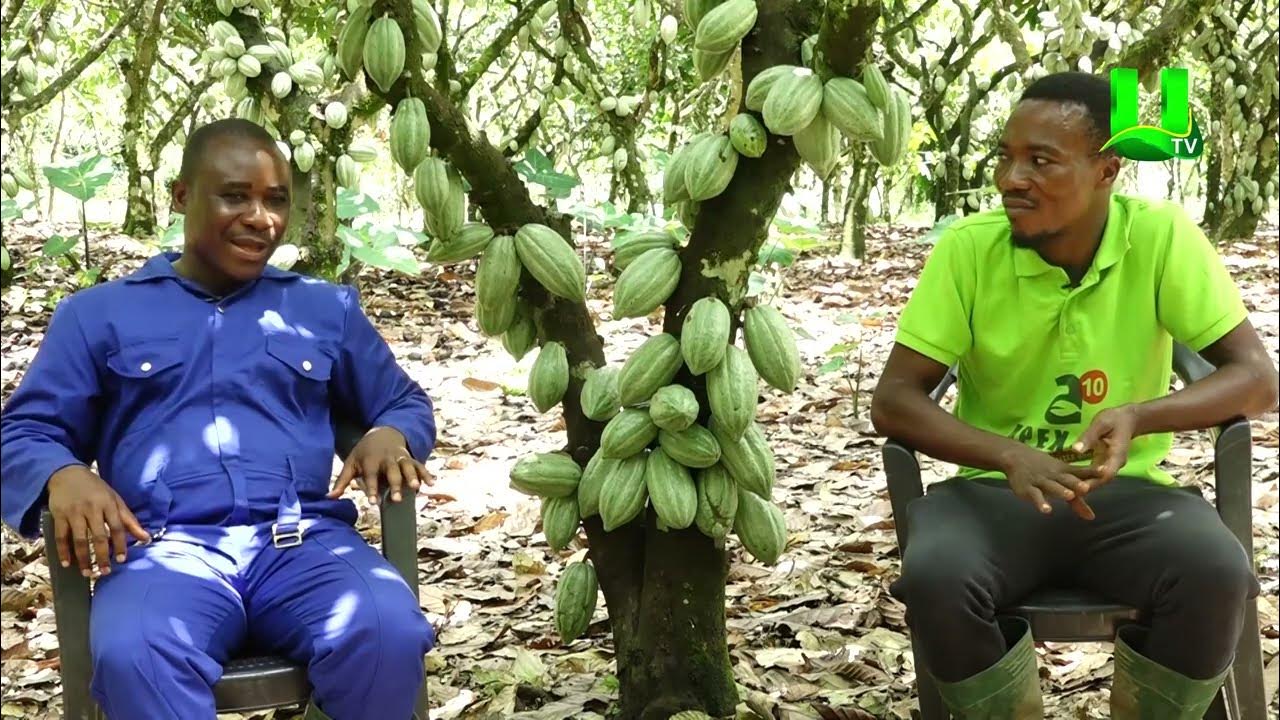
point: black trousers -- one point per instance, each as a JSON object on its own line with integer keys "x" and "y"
{"x": 975, "y": 547}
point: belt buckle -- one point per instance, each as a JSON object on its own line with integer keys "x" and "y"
{"x": 287, "y": 538}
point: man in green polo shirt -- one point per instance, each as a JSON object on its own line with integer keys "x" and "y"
{"x": 1059, "y": 312}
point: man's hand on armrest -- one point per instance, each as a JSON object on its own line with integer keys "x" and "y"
{"x": 381, "y": 455}
{"x": 902, "y": 409}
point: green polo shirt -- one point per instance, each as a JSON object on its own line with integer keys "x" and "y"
{"x": 1036, "y": 360}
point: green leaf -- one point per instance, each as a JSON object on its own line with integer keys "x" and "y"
{"x": 846, "y": 318}
{"x": 774, "y": 255}
{"x": 537, "y": 169}
{"x": 173, "y": 236}
{"x": 11, "y": 209}
{"x": 5, "y": 263}
{"x": 58, "y": 246}
{"x": 353, "y": 203}
{"x": 841, "y": 348}
{"x": 81, "y": 179}
{"x": 798, "y": 330}
{"x": 831, "y": 365}
{"x": 756, "y": 283}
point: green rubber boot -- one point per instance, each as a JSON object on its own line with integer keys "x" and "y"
{"x": 1145, "y": 690}
{"x": 314, "y": 712}
{"x": 1008, "y": 690}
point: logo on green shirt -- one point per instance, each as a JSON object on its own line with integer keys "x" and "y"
{"x": 1066, "y": 408}
{"x": 1178, "y": 135}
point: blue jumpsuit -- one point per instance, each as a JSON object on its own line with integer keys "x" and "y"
{"x": 211, "y": 418}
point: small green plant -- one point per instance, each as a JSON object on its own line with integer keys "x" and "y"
{"x": 81, "y": 179}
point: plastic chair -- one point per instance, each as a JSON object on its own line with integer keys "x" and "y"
{"x": 1069, "y": 615}
{"x": 248, "y": 683}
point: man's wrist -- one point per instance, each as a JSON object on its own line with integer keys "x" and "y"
{"x": 1140, "y": 416}
{"x": 399, "y": 435}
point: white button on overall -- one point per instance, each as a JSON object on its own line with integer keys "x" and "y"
{"x": 306, "y": 365}
{"x": 146, "y": 367}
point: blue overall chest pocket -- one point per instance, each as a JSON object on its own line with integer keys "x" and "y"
{"x": 295, "y": 374}
{"x": 142, "y": 375}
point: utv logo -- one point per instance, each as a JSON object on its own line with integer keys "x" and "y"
{"x": 1178, "y": 135}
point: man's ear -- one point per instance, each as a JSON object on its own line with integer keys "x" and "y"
{"x": 178, "y": 197}
{"x": 1110, "y": 169}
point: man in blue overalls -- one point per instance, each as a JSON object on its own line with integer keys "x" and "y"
{"x": 202, "y": 385}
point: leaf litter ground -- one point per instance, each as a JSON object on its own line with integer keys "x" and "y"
{"x": 817, "y": 636}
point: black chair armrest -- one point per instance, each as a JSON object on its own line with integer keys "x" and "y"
{"x": 400, "y": 535}
{"x": 902, "y": 470}
{"x": 1232, "y": 454}
{"x": 71, "y": 602}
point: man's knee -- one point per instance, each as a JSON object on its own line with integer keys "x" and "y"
{"x": 938, "y": 582}
{"x": 390, "y": 631}
{"x": 1218, "y": 578}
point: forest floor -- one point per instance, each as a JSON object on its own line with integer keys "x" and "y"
{"x": 818, "y": 635}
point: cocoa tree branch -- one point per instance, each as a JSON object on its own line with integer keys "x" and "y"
{"x": 1158, "y": 45}
{"x": 910, "y": 20}
{"x": 9, "y": 79}
{"x": 482, "y": 62}
{"x": 178, "y": 115}
{"x": 10, "y": 14}
{"x": 51, "y": 91}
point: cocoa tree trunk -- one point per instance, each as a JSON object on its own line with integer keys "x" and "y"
{"x": 140, "y": 211}
{"x": 664, "y": 590}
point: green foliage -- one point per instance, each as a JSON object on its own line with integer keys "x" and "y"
{"x": 538, "y": 169}
{"x": 82, "y": 178}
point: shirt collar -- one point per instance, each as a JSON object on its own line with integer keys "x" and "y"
{"x": 161, "y": 266}
{"x": 1115, "y": 243}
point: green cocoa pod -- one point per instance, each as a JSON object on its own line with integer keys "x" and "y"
{"x": 629, "y": 246}
{"x": 439, "y": 191}
{"x": 469, "y": 242}
{"x": 522, "y": 335}
{"x": 705, "y": 335}
{"x": 793, "y": 102}
{"x": 748, "y": 135}
{"x": 546, "y": 475}
{"x": 646, "y": 283}
{"x": 673, "y": 408}
{"x": 560, "y": 520}
{"x": 694, "y": 447}
{"x": 410, "y": 134}
{"x": 629, "y": 432}
{"x": 748, "y": 458}
{"x": 549, "y": 377}
{"x": 623, "y": 495}
{"x": 497, "y": 280}
{"x": 575, "y": 600}
{"x": 384, "y": 52}
{"x": 772, "y": 347}
{"x": 591, "y": 484}
{"x": 732, "y": 391}
{"x": 652, "y": 365}
{"x": 758, "y": 88}
{"x": 717, "y": 502}
{"x": 845, "y": 105}
{"x": 724, "y": 26}
{"x": 760, "y": 526}
{"x": 710, "y": 167}
{"x": 600, "y": 394}
{"x": 671, "y": 490}
{"x": 551, "y": 261}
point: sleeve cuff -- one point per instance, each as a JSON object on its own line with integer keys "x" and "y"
{"x": 419, "y": 436}
{"x": 1218, "y": 329}
{"x": 926, "y": 348}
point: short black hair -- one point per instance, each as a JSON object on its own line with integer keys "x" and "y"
{"x": 1091, "y": 91}
{"x": 198, "y": 141}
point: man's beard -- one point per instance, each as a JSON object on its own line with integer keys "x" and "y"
{"x": 1034, "y": 240}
